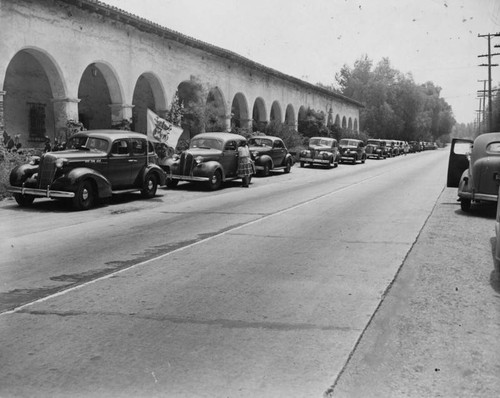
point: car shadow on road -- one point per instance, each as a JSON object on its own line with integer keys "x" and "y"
{"x": 482, "y": 209}
{"x": 495, "y": 273}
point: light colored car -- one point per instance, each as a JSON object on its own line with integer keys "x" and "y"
{"x": 474, "y": 167}
{"x": 211, "y": 158}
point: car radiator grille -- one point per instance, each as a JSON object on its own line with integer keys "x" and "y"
{"x": 46, "y": 171}
{"x": 186, "y": 164}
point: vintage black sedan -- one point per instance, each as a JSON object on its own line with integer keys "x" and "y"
{"x": 322, "y": 151}
{"x": 474, "y": 167}
{"x": 352, "y": 150}
{"x": 211, "y": 158}
{"x": 376, "y": 149}
{"x": 95, "y": 165}
{"x": 269, "y": 153}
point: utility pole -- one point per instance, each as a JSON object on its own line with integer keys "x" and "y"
{"x": 489, "y": 65}
{"x": 482, "y": 108}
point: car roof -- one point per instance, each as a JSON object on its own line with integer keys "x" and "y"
{"x": 322, "y": 138}
{"x": 271, "y": 137}
{"x": 351, "y": 139}
{"x": 483, "y": 140}
{"x": 220, "y": 135}
{"x": 109, "y": 133}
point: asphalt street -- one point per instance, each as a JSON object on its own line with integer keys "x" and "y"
{"x": 364, "y": 281}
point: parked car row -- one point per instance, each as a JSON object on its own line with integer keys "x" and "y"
{"x": 99, "y": 163}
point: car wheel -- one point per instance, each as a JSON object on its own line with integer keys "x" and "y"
{"x": 267, "y": 168}
{"x": 465, "y": 204}
{"x": 363, "y": 160}
{"x": 84, "y": 196}
{"x": 24, "y": 200}
{"x": 215, "y": 181}
{"x": 149, "y": 187}
{"x": 288, "y": 166}
{"x": 171, "y": 183}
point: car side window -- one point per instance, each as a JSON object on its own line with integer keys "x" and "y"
{"x": 278, "y": 144}
{"x": 138, "y": 147}
{"x": 230, "y": 146}
{"x": 120, "y": 147}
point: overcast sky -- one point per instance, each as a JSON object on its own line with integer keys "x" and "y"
{"x": 434, "y": 40}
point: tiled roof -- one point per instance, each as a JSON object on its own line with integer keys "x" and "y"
{"x": 154, "y": 28}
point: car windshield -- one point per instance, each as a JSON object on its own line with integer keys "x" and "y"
{"x": 376, "y": 143}
{"x": 320, "y": 142}
{"x": 348, "y": 143}
{"x": 90, "y": 143}
{"x": 260, "y": 142}
{"x": 206, "y": 143}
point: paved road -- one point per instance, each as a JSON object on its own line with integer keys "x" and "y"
{"x": 242, "y": 293}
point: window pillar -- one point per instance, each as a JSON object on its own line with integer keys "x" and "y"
{"x": 120, "y": 113}
{"x": 2, "y": 117}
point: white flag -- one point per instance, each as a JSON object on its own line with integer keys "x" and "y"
{"x": 162, "y": 131}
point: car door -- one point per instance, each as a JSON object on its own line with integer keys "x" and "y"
{"x": 138, "y": 160}
{"x": 458, "y": 161}
{"x": 278, "y": 153}
{"x": 229, "y": 158}
{"x": 119, "y": 164}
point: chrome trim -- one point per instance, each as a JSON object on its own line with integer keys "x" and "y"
{"x": 187, "y": 178}
{"x": 41, "y": 192}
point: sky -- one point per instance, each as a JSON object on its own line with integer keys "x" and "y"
{"x": 434, "y": 40}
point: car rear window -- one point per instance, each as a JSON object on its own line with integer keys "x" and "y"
{"x": 493, "y": 147}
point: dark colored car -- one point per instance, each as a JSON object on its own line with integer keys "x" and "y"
{"x": 321, "y": 150}
{"x": 269, "y": 153}
{"x": 95, "y": 165}
{"x": 376, "y": 149}
{"x": 352, "y": 150}
{"x": 211, "y": 158}
{"x": 474, "y": 167}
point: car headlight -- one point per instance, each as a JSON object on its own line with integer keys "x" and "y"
{"x": 198, "y": 159}
{"x": 61, "y": 162}
{"x": 255, "y": 154}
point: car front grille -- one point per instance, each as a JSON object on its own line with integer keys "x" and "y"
{"x": 47, "y": 170}
{"x": 186, "y": 164}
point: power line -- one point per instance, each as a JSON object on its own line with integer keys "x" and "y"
{"x": 489, "y": 65}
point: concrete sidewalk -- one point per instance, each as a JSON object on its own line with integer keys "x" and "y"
{"x": 437, "y": 331}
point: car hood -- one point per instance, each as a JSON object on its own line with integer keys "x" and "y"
{"x": 75, "y": 154}
{"x": 205, "y": 152}
{"x": 319, "y": 148}
{"x": 259, "y": 149}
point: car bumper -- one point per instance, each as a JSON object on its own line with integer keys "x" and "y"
{"x": 311, "y": 160}
{"x": 47, "y": 193}
{"x": 478, "y": 196}
{"x": 186, "y": 178}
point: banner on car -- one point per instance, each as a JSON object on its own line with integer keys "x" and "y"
{"x": 163, "y": 132}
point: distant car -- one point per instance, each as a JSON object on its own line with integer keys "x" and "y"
{"x": 376, "y": 149}
{"x": 392, "y": 148}
{"x": 95, "y": 165}
{"x": 352, "y": 150}
{"x": 211, "y": 158}
{"x": 269, "y": 153}
{"x": 322, "y": 151}
{"x": 474, "y": 167}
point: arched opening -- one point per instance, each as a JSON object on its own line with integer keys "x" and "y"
{"x": 349, "y": 124}
{"x": 215, "y": 111}
{"x": 98, "y": 91}
{"x": 276, "y": 116}
{"x": 337, "y": 121}
{"x": 32, "y": 82}
{"x": 290, "y": 116}
{"x": 329, "y": 121}
{"x": 344, "y": 123}
{"x": 239, "y": 112}
{"x": 302, "y": 120}
{"x": 356, "y": 125}
{"x": 191, "y": 100}
{"x": 259, "y": 115}
{"x": 148, "y": 94}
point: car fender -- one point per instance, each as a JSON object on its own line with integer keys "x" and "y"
{"x": 79, "y": 174}
{"x": 206, "y": 169}
{"x": 156, "y": 170}
{"x": 290, "y": 157}
{"x": 20, "y": 173}
{"x": 465, "y": 185}
{"x": 263, "y": 159}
